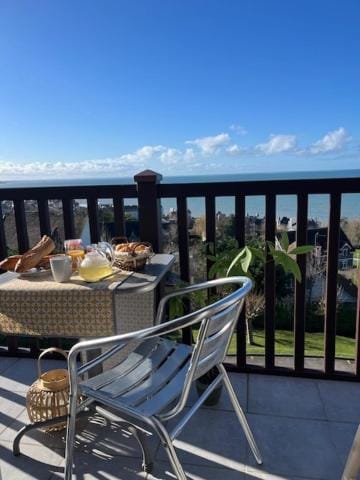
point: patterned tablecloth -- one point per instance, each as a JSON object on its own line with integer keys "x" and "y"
{"x": 39, "y": 306}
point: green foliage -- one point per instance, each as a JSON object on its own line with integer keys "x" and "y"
{"x": 233, "y": 261}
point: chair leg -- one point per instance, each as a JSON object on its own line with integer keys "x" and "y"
{"x": 147, "y": 463}
{"x": 240, "y": 414}
{"x": 352, "y": 466}
{"x": 70, "y": 438}
{"x": 169, "y": 448}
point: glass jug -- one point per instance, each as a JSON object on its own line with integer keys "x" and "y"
{"x": 98, "y": 262}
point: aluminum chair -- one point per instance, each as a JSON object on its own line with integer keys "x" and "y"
{"x": 153, "y": 383}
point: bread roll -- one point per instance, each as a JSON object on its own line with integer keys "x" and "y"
{"x": 32, "y": 257}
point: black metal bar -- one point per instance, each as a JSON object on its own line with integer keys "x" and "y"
{"x": 183, "y": 238}
{"x": 241, "y": 324}
{"x": 210, "y": 228}
{"x": 119, "y": 217}
{"x": 68, "y": 215}
{"x": 331, "y": 281}
{"x": 3, "y": 249}
{"x": 34, "y": 344}
{"x": 183, "y": 241}
{"x": 300, "y": 287}
{"x": 149, "y": 208}
{"x": 44, "y": 216}
{"x": 357, "y": 351}
{"x": 269, "y": 285}
{"x": 21, "y": 226}
{"x": 94, "y": 226}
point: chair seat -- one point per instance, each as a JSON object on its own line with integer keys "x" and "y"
{"x": 148, "y": 381}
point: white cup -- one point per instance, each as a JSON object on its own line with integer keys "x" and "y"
{"x": 61, "y": 268}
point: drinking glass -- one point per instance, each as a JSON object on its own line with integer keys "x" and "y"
{"x": 74, "y": 247}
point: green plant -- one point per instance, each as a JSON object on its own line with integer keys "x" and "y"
{"x": 237, "y": 261}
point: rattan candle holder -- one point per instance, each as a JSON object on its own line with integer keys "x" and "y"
{"x": 48, "y": 396}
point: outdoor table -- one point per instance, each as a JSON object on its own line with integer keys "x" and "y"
{"x": 39, "y": 307}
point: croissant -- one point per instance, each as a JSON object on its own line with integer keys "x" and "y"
{"x": 32, "y": 257}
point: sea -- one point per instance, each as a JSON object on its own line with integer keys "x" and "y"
{"x": 255, "y": 205}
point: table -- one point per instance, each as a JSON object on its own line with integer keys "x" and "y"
{"x": 38, "y": 306}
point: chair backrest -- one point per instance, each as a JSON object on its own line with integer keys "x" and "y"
{"x": 214, "y": 335}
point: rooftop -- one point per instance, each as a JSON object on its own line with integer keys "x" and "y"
{"x": 304, "y": 429}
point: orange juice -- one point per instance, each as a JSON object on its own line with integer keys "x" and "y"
{"x": 77, "y": 256}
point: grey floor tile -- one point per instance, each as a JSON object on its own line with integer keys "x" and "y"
{"x": 290, "y": 397}
{"x": 213, "y": 439}
{"x": 163, "y": 471}
{"x": 36, "y": 462}
{"x": 239, "y": 383}
{"x": 341, "y": 400}
{"x": 110, "y": 438}
{"x": 342, "y": 435}
{"x": 11, "y": 406}
{"x": 97, "y": 466}
{"x": 294, "y": 447}
{"x": 6, "y": 362}
{"x": 20, "y": 375}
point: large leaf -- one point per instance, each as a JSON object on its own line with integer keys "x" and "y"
{"x": 258, "y": 253}
{"x": 288, "y": 264}
{"x": 284, "y": 241}
{"x": 237, "y": 259}
{"x": 246, "y": 260}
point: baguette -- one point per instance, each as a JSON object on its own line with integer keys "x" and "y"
{"x": 32, "y": 257}
{"x": 9, "y": 263}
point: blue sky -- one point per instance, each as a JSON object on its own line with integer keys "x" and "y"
{"x": 102, "y": 88}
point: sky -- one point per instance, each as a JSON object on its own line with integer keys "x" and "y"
{"x": 108, "y": 88}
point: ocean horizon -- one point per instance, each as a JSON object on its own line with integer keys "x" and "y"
{"x": 255, "y": 205}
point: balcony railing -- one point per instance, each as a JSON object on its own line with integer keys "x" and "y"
{"x": 149, "y": 191}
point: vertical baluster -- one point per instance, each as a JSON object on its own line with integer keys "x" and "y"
{"x": 269, "y": 286}
{"x": 300, "y": 288}
{"x": 68, "y": 215}
{"x": 183, "y": 241}
{"x": 93, "y": 219}
{"x": 210, "y": 228}
{"x": 241, "y": 324}
{"x": 12, "y": 345}
{"x": 44, "y": 216}
{"x": 183, "y": 238}
{"x": 331, "y": 281}
{"x": 3, "y": 249}
{"x": 119, "y": 218}
{"x": 21, "y": 227}
{"x": 357, "y": 352}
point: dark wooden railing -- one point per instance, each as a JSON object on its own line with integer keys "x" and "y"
{"x": 149, "y": 191}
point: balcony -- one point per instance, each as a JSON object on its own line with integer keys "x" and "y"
{"x": 147, "y": 192}
{"x": 304, "y": 428}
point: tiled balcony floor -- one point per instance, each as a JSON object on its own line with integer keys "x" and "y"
{"x": 304, "y": 429}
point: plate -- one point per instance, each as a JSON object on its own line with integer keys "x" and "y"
{"x": 34, "y": 272}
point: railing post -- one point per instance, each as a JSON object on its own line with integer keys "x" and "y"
{"x": 149, "y": 208}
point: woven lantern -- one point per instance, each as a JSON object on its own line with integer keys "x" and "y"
{"x": 48, "y": 396}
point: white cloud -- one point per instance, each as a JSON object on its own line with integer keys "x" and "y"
{"x": 277, "y": 144}
{"x": 209, "y": 145}
{"x": 331, "y": 142}
{"x": 239, "y": 129}
{"x": 233, "y": 150}
{"x": 170, "y": 156}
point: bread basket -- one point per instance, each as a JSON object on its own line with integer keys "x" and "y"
{"x": 134, "y": 256}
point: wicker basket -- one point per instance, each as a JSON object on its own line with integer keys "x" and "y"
{"x": 48, "y": 396}
{"x": 132, "y": 261}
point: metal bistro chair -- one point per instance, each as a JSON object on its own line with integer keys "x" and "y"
{"x": 153, "y": 383}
